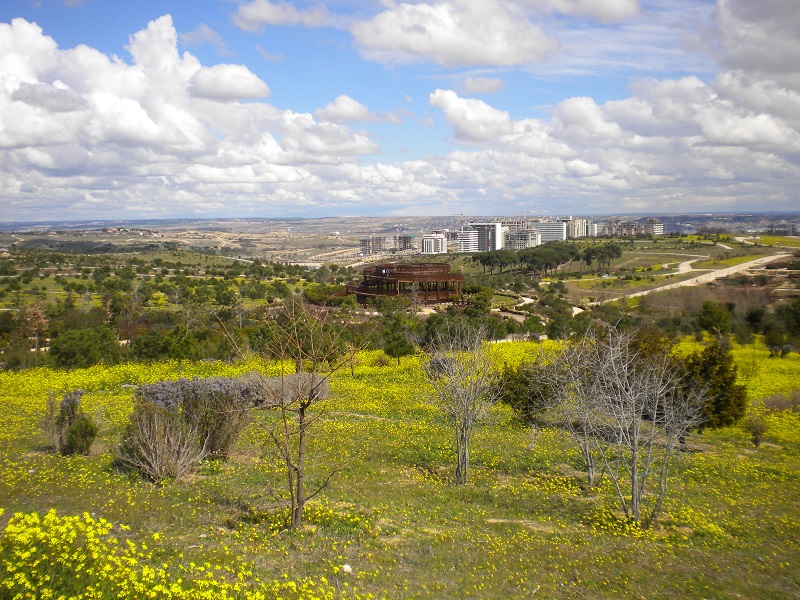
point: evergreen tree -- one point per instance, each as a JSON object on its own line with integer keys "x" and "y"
{"x": 713, "y": 368}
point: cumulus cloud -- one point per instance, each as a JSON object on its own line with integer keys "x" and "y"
{"x": 343, "y": 108}
{"x": 227, "y": 83}
{"x": 760, "y": 37}
{"x": 482, "y": 85}
{"x": 453, "y": 33}
{"x": 472, "y": 119}
{"x": 254, "y": 15}
{"x": 673, "y": 145}
{"x": 161, "y": 135}
{"x": 51, "y": 97}
{"x": 166, "y": 135}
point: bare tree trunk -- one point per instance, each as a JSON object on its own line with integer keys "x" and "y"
{"x": 462, "y": 450}
{"x": 588, "y": 459}
{"x": 636, "y": 496}
{"x": 299, "y": 492}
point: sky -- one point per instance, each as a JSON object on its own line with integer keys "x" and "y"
{"x": 112, "y": 109}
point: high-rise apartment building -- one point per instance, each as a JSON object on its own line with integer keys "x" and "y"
{"x": 434, "y": 243}
{"x": 468, "y": 241}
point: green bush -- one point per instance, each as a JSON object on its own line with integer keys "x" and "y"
{"x": 80, "y": 435}
{"x": 68, "y": 429}
{"x": 756, "y": 426}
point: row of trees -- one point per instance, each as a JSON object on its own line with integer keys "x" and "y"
{"x": 548, "y": 258}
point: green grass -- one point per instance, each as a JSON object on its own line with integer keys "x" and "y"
{"x": 777, "y": 240}
{"x": 726, "y": 262}
{"x": 501, "y": 300}
{"x": 524, "y": 525}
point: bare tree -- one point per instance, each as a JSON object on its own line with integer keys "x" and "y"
{"x": 309, "y": 350}
{"x": 633, "y": 408}
{"x": 549, "y": 390}
{"x": 33, "y": 323}
{"x": 465, "y": 384}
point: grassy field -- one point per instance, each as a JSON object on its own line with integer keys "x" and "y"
{"x": 722, "y": 263}
{"x": 777, "y": 240}
{"x": 524, "y": 525}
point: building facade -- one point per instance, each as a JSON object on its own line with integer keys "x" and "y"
{"x": 551, "y": 231}
{"x": 371, "y": 245}
{"x": 490, "y": 236}
{"x": 425, "y": 283}
{"x": 434, "y": 243}
{"x": 468, "y": 241}
{"x": 519, "y": 239}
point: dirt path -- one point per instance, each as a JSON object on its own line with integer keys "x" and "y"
{"x": 707, "y": 277}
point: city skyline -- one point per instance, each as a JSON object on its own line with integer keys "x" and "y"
{"x": 276, "y": 109}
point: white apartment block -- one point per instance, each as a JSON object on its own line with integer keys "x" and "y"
{"x": 468, "y": 241}
{"x": 576, "y": 228}
{"x": 519, "y": 239}
{"x": 490, "y": 236}
{"x": 653, "y": 227}
{"x": 434, "y": 243}
{"x": 551, "y": 231}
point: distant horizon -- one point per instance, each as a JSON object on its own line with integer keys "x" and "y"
{"x": 95, "y": 223}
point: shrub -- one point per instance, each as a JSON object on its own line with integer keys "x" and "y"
{"x": 80, "y": 435}
{"x": 176, "y": 424}
{"x": 159, "y": 443}
{"x": 756, "y": 426}
{"x": 68, "y": 429}
{"x": 217, "y": 408}
{"x": 790, "y": 401}
{"x": 714, "y": 369}
{"x": 528, "y": 390}
{"x": 381, "y": 361}
{"x": 80, "y": 348}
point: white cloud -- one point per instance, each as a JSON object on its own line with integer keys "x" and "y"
{"x": 481, "y": 85}
{"x": 203, "y": 34}
{"x": 582, "y": 168}
{"x": 227, "y": 83}
{"x": 452, "y": 33}
{"x": 254, "y": 15}
{"x": 725, "y": 127}
{"x": 49, "y": 97}
{"x": 674, "y": 145}
{"x": 160, "y": 133}
{"x": 760, "y": 38}
{"x": 92, "y": 133}
{"x": 344, "y": 108}
{"x": 607, "y": 11}
{"x": 581, "y": 119}
{"x": 267, "y": 55}
{"x": 472, "y": 120}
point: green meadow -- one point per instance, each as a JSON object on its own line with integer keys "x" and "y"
{"x": 390, "y": 523}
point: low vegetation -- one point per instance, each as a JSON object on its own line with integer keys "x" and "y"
{"x": 189, "y": 426}
{"x": 390, "y": 523}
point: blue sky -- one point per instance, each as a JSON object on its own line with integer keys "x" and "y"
{"x": 263, "y": 108}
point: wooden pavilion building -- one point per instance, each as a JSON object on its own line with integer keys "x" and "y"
{"x": 430, "y": 283}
